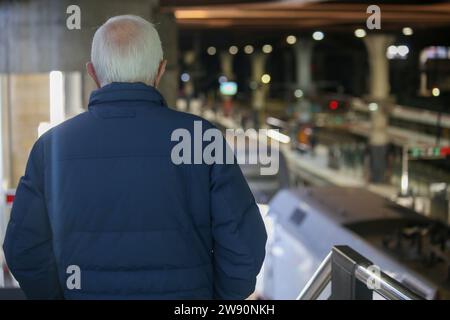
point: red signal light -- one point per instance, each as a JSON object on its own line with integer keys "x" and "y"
{"x": 333, "y": 105}
{"x": 10, "y": 199}
{"x": 9, "y": 196}
{"x": 445, "y": 151}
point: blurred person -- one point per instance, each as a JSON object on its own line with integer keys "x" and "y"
{"x": 101, "y": 195}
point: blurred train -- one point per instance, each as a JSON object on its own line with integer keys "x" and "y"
{"x": 308, "y": 222}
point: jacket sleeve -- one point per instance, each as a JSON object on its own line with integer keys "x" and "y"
{"x": 238, "y": 231}
{"x": 28, "y": 241}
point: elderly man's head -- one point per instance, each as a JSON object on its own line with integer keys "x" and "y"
{"x": 126, "y": 49}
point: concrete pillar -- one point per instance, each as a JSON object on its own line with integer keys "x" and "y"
{"x": 188, "y": 87}
{"x": 377, "y": 45}
{"x": 379, "y": 88}
{"x": 226, "y": 65}
{"x": 259, "y": 93}
{"x": 303, "y": 50}
{"x": 168, "y": 32}
{"x": 303, "y": 55}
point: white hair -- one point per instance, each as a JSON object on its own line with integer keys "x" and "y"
{"x": 126, "y": 49}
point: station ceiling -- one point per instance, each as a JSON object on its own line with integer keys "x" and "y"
{"x": 305, "y": 14}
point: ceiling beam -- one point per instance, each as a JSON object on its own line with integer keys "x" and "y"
{"x": 307, "y": 14}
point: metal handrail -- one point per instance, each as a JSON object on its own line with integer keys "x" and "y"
{"x": 318, "y": 282}
{"x": 388, "y": 287}
{"x": 356, "y": 267}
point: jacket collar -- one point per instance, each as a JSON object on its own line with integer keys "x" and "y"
{"x": 124, "y": 93}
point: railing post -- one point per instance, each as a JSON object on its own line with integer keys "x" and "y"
{"x": 350, "y": 274}
{"x": 344, "y": 285}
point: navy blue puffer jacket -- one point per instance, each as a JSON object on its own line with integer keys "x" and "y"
{"x": 101, "y": 193}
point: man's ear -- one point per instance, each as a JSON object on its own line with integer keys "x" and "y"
{"x": 91, "y": 71}
{"x": 161, "y": 70}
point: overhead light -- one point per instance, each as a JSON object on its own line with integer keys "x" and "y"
{"x": 392, "y": 51}
{"x": 265, "y": 78}
{"x": 360, "y": 33}
{"x": 291, "y": 39}
{"x": 403, "y": 50}
{"x": 298, "y": 93}
{"x": 407, "y": 31}
{"x": 435, "y": 92}
{"x": 211, "y": 51}
{"x": 318, "y": 35}
{"x": 267, "y": 48}
{"x": 223, "y": 79}
{"x": 185, "y": 77}
{"x": 397, "y": 52}
{"x": 248, "y": 49}
{"x": 373, "y": 106}
{"x": 233, "y": 50}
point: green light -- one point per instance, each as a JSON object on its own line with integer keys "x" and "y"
{"x": 437, "y": 152}
{"x": 416, "y": 152}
